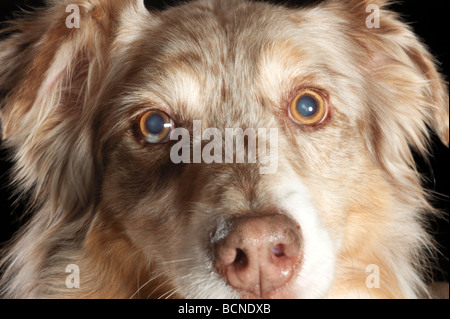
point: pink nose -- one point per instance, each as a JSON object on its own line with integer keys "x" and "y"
{"x": 259, "y": 254}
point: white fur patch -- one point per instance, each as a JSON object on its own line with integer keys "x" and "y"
{"x": 319, "y": 252}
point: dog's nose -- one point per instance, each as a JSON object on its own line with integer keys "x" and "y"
{"x": 258, "y": 255}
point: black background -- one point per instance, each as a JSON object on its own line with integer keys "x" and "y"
{"x": 430, "y": 22}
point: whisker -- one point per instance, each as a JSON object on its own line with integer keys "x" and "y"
{"x": 147, "y": 282}
{"x": 170, "y": 292}
{"x": 162, "y": 284}
{"x": 176, "y": 261}
{"x": 174, "y": 289}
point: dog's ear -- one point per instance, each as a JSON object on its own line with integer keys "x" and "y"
{"x": 54, "y": 66}
{"x": 406, "y": 96}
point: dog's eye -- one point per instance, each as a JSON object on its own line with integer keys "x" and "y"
{"x": 155, "y": 126}
{"x": 308, "y": 107}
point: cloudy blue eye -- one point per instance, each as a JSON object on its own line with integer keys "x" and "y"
{"x": 155, "y": 126}
{"x": 308, "y": 107}
{"x": 155, "y": 123}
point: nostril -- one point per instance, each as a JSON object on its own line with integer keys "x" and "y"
{"x": 241, "y": 258}
{"x": 278, "y": 250}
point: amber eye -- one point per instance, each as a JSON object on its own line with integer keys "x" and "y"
{"x": 155, "y": 126}
{"x": 308, "y": 107}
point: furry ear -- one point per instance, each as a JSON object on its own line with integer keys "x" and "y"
{"x": 406, "y": 95}
{"x": 54, "y": 66}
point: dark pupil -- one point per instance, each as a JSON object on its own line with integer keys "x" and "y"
{"x": 307, "y": 106}
{"x": 155, "y": 124}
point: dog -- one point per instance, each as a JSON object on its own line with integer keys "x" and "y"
{"x": 92, "y": 92}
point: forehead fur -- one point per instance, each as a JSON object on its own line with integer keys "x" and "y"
{"x": 241, "y": 62}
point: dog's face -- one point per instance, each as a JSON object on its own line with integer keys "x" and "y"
{"x": 347, "y": 103}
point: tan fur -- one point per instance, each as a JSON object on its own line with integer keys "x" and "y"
{"x": 136, "y": 224}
